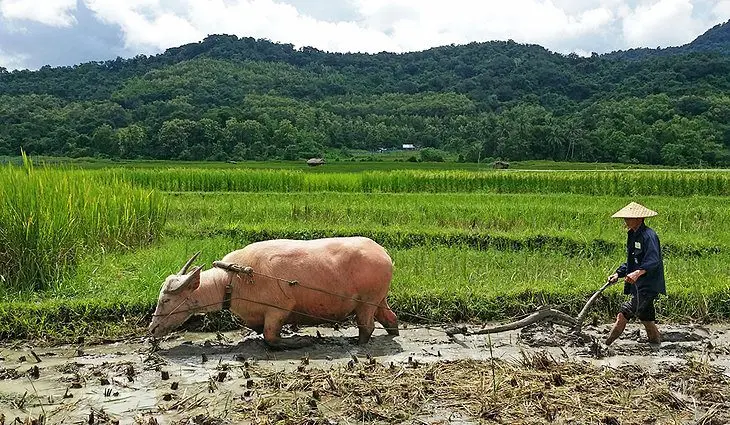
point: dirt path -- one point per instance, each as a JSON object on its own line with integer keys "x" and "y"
{"x": 533, "y": 375}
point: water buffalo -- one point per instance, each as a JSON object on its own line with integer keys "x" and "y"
{"x": 286, "y": 281}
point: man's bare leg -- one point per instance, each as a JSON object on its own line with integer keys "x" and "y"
{"x": 652, "y": 332}
{"x": 618, "y": 328}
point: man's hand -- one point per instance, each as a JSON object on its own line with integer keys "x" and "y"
{"x": 634, "y": 276}
{"x": 613, "y": 278}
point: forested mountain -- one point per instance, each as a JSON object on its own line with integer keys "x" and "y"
{"x": 716, "y": 39}
{"x": 231, "y": 98}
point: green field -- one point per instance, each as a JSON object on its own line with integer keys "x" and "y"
{"x": 361, "y": 161}
{"x": 467, "y": 245}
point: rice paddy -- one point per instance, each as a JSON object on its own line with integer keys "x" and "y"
{"x": 51, "y": 217}
{"x": 88, "y": 249}
{"x": 617, "y": 183}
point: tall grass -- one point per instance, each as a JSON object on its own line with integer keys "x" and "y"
{"x": 567, "y": 223}
{"x": 634, "y": 183}
{"x": 48, "y": 217}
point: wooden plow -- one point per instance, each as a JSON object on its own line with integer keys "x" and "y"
{"x": 549, "y": 314}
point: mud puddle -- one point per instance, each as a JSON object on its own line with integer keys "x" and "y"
{"x": 422, "y": 375}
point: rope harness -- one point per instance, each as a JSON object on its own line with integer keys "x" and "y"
{"x": 250, "y": 272}
{"x": 229, "y": 286}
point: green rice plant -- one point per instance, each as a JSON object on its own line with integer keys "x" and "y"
{"x": 467, "y": 245}
{"x": 207, "y": 180}
{"x": 617, "y": 183}
{"x": 573, "y": 224}
{"x": 49, "y": 217}
{"x": 361, "y": 161}
{"x": 461, "y": 284}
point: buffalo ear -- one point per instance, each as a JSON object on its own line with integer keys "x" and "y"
{"x": 195, "y": 278}
{"x": 191, "y": 280}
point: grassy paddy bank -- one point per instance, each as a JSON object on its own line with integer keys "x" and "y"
{"x": 460, "y": 253}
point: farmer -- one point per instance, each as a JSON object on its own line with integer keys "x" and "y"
{"x": 643, "y": 272}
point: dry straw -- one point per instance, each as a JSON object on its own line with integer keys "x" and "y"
{"x": 536, "y": 390}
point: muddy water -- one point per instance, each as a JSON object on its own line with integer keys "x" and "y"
{"x": 199, "y": 375}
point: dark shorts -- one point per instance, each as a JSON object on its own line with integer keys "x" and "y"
{"x": 641, "y": 306}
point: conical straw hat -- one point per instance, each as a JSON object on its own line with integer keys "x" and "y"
{"x": 634, "y": 210}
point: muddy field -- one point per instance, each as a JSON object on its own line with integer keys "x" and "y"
{"x": 537, "y": 375}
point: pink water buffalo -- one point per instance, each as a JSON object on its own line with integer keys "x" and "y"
{"x": 287, "y": 282}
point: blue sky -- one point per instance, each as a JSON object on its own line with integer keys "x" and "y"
{"x": 34, "y": 33}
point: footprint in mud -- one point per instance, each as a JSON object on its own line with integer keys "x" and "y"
{"x": 692, "y": 335}
{"x": 549, "y": 335}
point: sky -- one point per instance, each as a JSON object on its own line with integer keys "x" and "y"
{"x": 34, "y": 33}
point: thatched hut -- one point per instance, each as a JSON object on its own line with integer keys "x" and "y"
{"x": 313, "y": 162}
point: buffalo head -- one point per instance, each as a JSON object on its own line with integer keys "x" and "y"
{"x": 176, "y": 302}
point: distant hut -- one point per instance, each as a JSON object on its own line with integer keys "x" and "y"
{"x": 500, "y": 165}
{"x": 313, "y": 162}
{"x": 408, "y": 147}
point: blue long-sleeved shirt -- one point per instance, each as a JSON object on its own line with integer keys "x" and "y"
{"x": 643, "y": 252}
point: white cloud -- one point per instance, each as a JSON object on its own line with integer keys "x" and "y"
{"x": 12, "y": 61}
{"x": 391, "y": 25}
{"x": 722, "y": 10}
{"x": 661, "y": 23}
{"x": 146, "y": 24}
{"x": 56, "y": 13}
{"x": 581, "y": 52}
{"x": 149, "y": 26}
{"x": 417, "y": 24}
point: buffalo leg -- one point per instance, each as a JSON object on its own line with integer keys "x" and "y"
{"x": 385, "y": 316}
{"x": 272, "y": 334}
{"x": 365, "y": 318}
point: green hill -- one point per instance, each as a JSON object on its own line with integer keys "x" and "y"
{"x": 241, "y": 98}
{"x": 714, "y": 40}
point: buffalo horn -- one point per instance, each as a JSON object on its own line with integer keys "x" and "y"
{"x": 190, "y": 261}
{"x": 180, "y": 285}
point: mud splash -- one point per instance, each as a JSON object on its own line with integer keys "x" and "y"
{"x": 422, "y": 375}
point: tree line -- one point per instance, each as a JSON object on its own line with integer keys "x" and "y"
{"x": 230, "y": 98}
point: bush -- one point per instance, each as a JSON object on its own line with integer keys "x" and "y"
{"x": 431, "y": 155}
